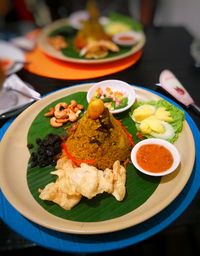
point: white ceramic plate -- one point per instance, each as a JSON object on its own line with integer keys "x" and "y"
{"x": 8, "y": 51}
{"x": 14, "y": 156}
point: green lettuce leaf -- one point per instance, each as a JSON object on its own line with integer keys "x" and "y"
{"x": 176, "y": 114}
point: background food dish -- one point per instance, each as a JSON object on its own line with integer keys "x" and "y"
{"x": 22, "y": 200}
{"x": 50, "y": 51}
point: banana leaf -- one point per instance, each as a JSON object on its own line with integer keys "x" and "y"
{"x": 139, "y": 187}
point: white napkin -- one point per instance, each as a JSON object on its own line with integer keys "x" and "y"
{"x": 24, "y": 43}
{"x": 16, "y": 94}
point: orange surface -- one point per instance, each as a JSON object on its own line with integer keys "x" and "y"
{"x": 43, "y": 65}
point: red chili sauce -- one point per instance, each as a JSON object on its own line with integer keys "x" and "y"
{"x": 154, "y": 158}
{"x": 126, "y": 38}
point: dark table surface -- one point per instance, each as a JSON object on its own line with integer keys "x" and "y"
{"x": 166, "y": 48}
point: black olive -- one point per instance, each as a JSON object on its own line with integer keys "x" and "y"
{"x": 47, "y": 151}
{"x": 38, "y": 141}
{"x": 30, "y": 146}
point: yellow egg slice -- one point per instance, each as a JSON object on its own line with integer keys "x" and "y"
{"x": 151, "y": 124}
{"x": 162, "y": 114}
{"x": 143, "y": 112}
{"x": 167, "y": 134}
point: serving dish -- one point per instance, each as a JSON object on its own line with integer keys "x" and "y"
{"x": 73, "y": 56}
{"x": 15, "y": 141}
{"x": 160, "y": 142}
{"x": 77, "y": 18}
{"x": 115, "y": 86}
{"x": 127, "y": 38}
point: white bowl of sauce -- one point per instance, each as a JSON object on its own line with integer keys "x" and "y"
{"x": 128, "y": 38}
{"x": 155, "y": 157}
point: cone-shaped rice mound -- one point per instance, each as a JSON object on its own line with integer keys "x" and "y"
{"x": 100, "y": 141}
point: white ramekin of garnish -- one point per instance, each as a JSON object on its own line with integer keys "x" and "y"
{"x": 117, "y": 95}
{"x": 155, "y": 157}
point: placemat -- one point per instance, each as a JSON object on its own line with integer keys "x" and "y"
{"x": 43, "y": 65}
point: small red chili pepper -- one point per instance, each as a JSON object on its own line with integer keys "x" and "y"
{"x": 129, "y": 136}
{"x": 139, "y": 136}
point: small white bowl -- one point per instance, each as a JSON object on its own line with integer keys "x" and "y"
{"x": 77, "y": 18}
{"x": 166, "y": 144}
{"x": 127, "y": 38}
{"x": 114, "y": 85}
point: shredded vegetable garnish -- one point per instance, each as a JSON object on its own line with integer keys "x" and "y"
{"x": 112, "y": 99}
